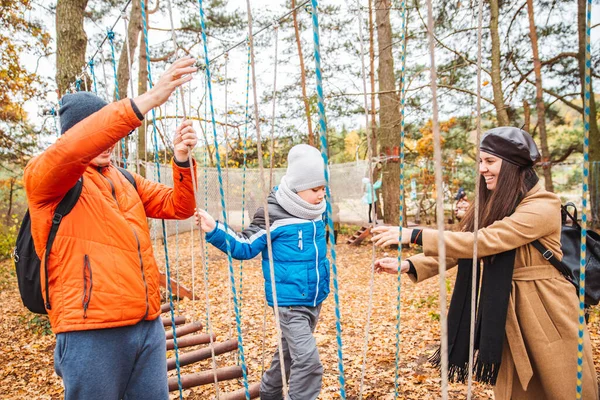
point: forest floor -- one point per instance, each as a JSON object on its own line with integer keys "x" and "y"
{"x": 27, "y": 343}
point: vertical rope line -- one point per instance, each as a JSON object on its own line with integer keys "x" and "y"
{"x": 401, "y": 199}
{"x": 111, "y": 37}
{"x": 440, "y": 203}
{"x": 132, "y": 155}
{"x": 369, "y": 130}
{"x": 177, "y": 221}
{"x": 167, "y": 267}
{"x": 265, "y": 202}
{"x": 91, "y": 64}
{"x": 223, "y": 207}
{"x": 323, "y": 134}
{"x": 275, "y": 31}
{"x": 585, "y": 211}
{"x": 475, "y": 267}
{"x": 231, "y": 279}
{"x": 241, "y": 279}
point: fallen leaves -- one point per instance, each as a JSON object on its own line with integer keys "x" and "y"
{"x": 26, "y": 358}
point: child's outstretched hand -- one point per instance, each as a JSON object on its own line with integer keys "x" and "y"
{"x": 204, "y": 220}
{"x": 390, "y": 265}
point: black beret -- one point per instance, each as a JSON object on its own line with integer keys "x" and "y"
{"x": 511, "y": 144}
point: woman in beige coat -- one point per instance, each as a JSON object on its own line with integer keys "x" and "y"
{"x": 527, "y": 313}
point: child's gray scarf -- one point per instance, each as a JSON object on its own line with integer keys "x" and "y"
{"x": 293, "y": 204}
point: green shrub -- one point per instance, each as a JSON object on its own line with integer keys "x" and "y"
{"x": 8, "y": 238}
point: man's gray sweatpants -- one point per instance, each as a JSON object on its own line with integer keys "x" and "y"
{"x": 303, "y": 367}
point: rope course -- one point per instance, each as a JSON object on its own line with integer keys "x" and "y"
{"x": 166, "y": 250}
{"x": 440, "y": 204}
{"x": 403, "y": 39}
{"x": 585, "y": 209}
{"x": 223, "y": 206}
{"x": 476, "y": 264}
{"x": 91, "y": 64}
{"x": 323, "y": 134}
{"x": 111, "y": 38}
{"x": 265, "y": 202}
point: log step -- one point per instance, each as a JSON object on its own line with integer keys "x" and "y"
{"x": 205, "y": 378}
{"x": 183, "y": 291}
{"x": 191, "y": 340}
{"x": 202, "y": 354}
{"x": 241, "y": 393}
{"x": 164, "y": 308}
{"x": 359, "y": 236}
{"x": 179, "y": 320}
{"x": 184, "y": 330}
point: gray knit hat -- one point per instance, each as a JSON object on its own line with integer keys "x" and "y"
{"x": 75, "y": 107}
{"x": 305, "y": 168}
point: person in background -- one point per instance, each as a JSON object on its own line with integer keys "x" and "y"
{"x": 462, "y": 204}
{"x": 370, "y": 196}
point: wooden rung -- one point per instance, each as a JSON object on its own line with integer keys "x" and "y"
{"x": 191, "y": 340}
{"x": 205, "y": 378}
{"x": 183, "y": 291}
{"x": 179, "y": 320}
{"x": 240, "y": 394}
{"x": 184, "y": 330}
{"x": 165, "y": 307}
{"x": 202, "y": 354}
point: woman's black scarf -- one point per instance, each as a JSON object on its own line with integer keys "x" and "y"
{"x": 492, "y": 306}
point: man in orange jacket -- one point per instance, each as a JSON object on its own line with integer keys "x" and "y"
{"x": 103, "y": 280}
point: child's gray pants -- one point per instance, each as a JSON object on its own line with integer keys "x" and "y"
{"x": 303, "y": 367}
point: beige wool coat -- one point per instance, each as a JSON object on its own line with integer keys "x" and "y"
{"x": 539, "y": 359}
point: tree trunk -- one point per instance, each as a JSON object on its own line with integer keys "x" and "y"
{"x": 71, "y": 42}
{"x": 526, "y": 116}
{"x": 501, "y": 113}
{"x": 389, "y": 114}
{"x": 539, "y": 100}
{"x": 594, "y": 147}
{"x": 373, "y": 126}
{"x": 133, "y": 31}
{"x": 311, "y": 137}
{"x": 142, "y": 88}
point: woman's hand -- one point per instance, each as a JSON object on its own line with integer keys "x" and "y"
{"x": 388, "y": 235}
{"x": 205, "y": 221}
{"x": 390, "y": 265}
{"x": 185, "y": 139}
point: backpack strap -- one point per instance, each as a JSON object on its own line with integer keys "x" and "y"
{"x": 62, "y": 210}
{"x": 549, "y": 255}
{"x": 128, "y": 176}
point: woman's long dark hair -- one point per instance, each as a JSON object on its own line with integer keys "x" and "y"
{"x": 511, "y": 188}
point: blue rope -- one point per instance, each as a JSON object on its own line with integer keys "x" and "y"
{"x": 401, "y": 201}
{"x": 54, "y": 114}
{"x": 323, "y": 133}
{"x": 164, "y": 230}
{"x": 78, "y": 85}
{"x": 223, "y": 208}
{"x": 91, "y": 64}
{"x": 584, "y": 214}
{"x": 111, "y": 37}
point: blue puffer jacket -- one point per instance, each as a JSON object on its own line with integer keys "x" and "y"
{"x": 299, "y": 254}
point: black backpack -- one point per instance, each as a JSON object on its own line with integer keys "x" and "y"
{"x": 570, "y": 244}
{"x": 27, "y": 262}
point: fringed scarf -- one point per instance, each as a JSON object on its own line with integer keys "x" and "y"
{"x": 492, "y": 307}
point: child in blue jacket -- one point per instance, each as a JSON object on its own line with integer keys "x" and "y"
{"x": 296, "y": 209}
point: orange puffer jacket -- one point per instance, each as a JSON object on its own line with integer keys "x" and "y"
{"x": 101, "y": 269}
